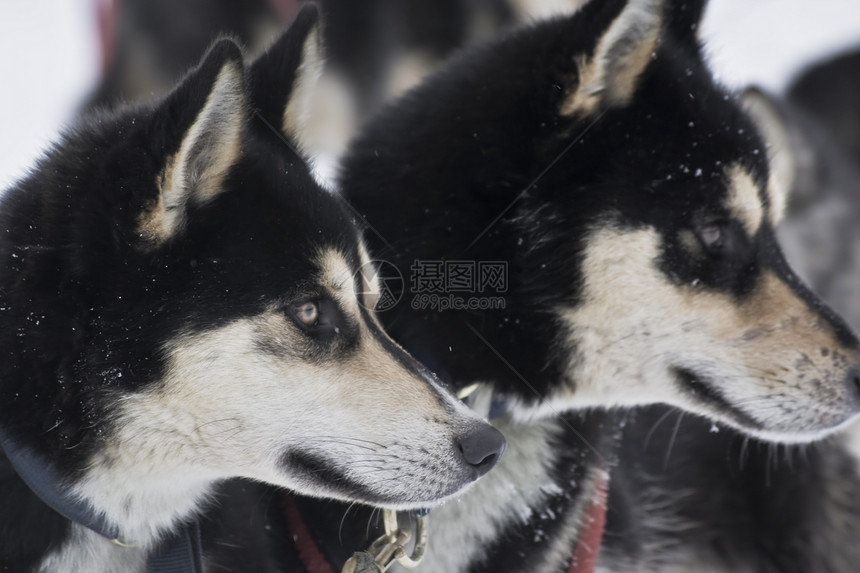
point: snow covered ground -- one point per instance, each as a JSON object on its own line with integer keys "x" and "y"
{"x": 50, "y": 58}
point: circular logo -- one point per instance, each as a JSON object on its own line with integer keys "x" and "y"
{"x": 381, "y": 285}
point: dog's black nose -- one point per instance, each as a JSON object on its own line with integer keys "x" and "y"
{"x": 482, "y": 446}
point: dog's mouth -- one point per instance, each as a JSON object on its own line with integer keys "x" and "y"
{"x": 703, "y": 391}
{"x": 316, "y": 469}
{"x": 321, "y": 473}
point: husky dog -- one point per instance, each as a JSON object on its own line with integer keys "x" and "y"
{"x": 688, "y": 494}
{"x": 180, "y": 304}
{"x": 634, "y": 204}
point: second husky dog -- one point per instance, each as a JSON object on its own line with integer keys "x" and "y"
{"x": 692, "y": 495}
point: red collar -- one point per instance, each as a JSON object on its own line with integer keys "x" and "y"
{"x": 584, "y": 558}
{"x": 594, "y": 522}
{"x": 311, "y": 556}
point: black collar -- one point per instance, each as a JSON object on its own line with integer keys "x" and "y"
{"x": 180, "y": 554}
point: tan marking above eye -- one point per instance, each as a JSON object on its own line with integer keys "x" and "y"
{"x": 690, "y": 242}
{"x": 308, "y": 313}
{"x": 744, "y": 201}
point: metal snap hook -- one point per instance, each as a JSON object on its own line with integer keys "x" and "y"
{"x": 391, "y": 547}
{"x": 422, "y": 533}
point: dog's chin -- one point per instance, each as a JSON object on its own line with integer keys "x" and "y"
{"x": 385, "y": 500}
{"x": 319, "y": 478}
{"x": 705, "y": 398}
{"x": 804, "y": 437}
{"x": 357, "y": 493}
{"x": 422, "y": 499}
{"x": 791, "y": 434}
{"x": 422, "y": 505}
{"x": 400, "y": 505}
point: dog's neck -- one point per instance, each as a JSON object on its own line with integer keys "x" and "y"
{"x": 533, "y": 494}
{"x": 145, "y": 506}
{"x": 112, "y": 518}
{"x": 145, "y": 509}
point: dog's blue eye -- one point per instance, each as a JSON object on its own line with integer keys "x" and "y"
{"x": 319, "y": 318}
{"x": 307, "y": 313}
{"x": 711, "y": 236}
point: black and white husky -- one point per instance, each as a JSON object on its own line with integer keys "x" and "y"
{"x": 180, "y": 304}
{"x": 691, "y": 495}
{"x": 634, "y": 205}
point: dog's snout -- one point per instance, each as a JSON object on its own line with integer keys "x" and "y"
{"x": 481, "y": 447}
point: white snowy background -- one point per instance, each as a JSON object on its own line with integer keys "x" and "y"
{"x": 49, "y": 58}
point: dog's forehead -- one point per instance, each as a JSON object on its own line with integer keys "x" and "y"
{"x": 718, "y": 164}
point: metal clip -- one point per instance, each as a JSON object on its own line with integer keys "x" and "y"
{"x": 391, "y": 547}
{"x": 120, "y": 542}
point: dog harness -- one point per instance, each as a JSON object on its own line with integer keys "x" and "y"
{"x": 584, "y": 558}
{"x": 182, "y": 553}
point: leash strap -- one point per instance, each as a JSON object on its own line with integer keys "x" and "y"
{"x": 183, "y": 554}
{"x": 47, "y": 485}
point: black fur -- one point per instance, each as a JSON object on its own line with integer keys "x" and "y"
{"x": 688, "y": 493}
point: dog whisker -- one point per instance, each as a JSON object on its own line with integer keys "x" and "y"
{"x": 654, "y": 428}
{"x": 672, "y": 438}
{"x": 343, "y": 520}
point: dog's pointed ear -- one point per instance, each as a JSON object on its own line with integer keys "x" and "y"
{"x": 610, "y": 73}
{"x": 769, "y": 119}
{"x": 199, "y": 127}
{"x": 283, "y": 80}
